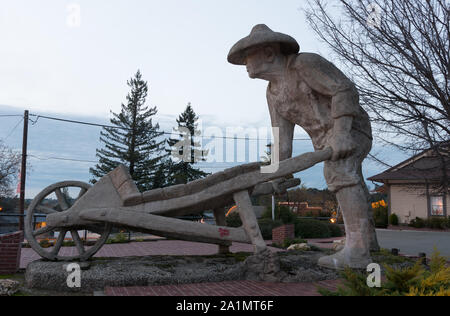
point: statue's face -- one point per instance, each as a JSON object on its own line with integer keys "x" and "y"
{"x": 256, "y": 62}
{"x": 260, "y": 62}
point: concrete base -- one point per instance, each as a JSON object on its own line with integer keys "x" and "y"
{"x": 131, "y": 271}
{"x": 292, "y": 266}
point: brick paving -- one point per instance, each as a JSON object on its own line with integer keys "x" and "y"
{"x": 229, "y": 288}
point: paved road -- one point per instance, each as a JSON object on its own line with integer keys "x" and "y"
{"x": 414, "y": 242}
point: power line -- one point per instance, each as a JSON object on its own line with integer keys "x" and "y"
{"x": 63, "y": 159}
{"x": 14, "y": 128}
{"x": 166, "y": 133}
{"x": 204, "y": 166}
{"x": 15, "y": 115}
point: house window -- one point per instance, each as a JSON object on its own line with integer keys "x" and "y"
{"x": 437, "y": 206}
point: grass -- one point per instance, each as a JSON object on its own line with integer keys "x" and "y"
{"x": 386, "y": 257}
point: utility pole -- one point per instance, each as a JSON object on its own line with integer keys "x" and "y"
{"x": 23, "y": 171}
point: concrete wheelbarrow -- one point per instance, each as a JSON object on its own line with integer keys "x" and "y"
{"x": 116, "y": 201}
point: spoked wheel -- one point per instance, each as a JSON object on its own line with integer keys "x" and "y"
{"x": 57, "y": 198}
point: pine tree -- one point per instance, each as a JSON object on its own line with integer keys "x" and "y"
{"x": 186, "y": 150}
{"x": 136, "y": 142}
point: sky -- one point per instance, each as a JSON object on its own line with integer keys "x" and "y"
{"x": 72, "y": 59}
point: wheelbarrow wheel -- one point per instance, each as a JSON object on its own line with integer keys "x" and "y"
{"x": 57, "y": 198}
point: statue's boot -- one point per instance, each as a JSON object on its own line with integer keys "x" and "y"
{"x": 356, "y": 253}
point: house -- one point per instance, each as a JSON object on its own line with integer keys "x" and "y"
{"x": 414, "y": 187}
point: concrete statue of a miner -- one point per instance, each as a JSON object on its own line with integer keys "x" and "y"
{"x": 307, "y": 90}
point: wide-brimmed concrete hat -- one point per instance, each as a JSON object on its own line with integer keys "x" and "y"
{"x": 261, "y": 34}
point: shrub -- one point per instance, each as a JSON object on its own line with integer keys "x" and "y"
{"x": 45, "y": 243}
{"x": 417, "y": 223}
{"x": 282, "y": 213}
{"x": 436, "y": 222}
{"x": 68, "y": 243}
{"x": 410, "y": 281}
{"x": 120, "y": 238}
{"x": 309, "y": 228}
{"x": 234, "y": 220}
{"x": 266, "y": 226}
{"x": 380, "y": 215}
{"x": 335, "y": 230}
{"x": 393, "y": 219}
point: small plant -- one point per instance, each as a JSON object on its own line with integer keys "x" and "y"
{"x": 417, "y": 223}
{"x": 410, "y": 281}
{"x": 393, "y": 219}
{"x": 68, "y": 243}
{"x": 120, "y": 238}
{"x": 45, "y": 243}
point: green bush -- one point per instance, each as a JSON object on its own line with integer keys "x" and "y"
{"x": 68, "y": 243}
{"x": 309, "y": 228}
{"x": 417, "y": 223}
{"x": 393, "y": 219}
{"x": 267, "y": 225}
{"x": 45, "y": 243}
{"x": 437, "y": 222}
{"x": 406, "y": 281}
{"x": 380, "y": 215}
{"x": 120, "y": 238}
{"x": 234, "y": 220}
{"x": 282, "y": 213}
{"x": 335, "y": 230}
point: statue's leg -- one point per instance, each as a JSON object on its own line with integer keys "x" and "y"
{"x": 219, "y": 215}
{"x": 249, "y": 221}
{"x": 356, "y": 253}
{"x": 374, "y": 246}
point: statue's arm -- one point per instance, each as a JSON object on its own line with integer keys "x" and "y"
{"x": 286, "y": 132}
{"x": 325, "y": 78}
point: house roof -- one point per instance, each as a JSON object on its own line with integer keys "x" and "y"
{"x": 424, "y": 167}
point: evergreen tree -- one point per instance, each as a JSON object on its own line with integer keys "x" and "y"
{"x": 136, "y": 142}
{"x": 186, "y": 150}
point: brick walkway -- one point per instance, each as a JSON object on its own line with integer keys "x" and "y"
{"x": 230, "y": 288}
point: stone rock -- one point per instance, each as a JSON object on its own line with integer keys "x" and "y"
{"x": 338, "y": 245}
{"x": 304, "y": 247}
{"x": 8, "y": 287}
{"x": 264, "y": 266}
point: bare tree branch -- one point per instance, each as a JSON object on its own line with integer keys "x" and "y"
{"x": 401, "y": 67}
{"x": 9, "y": 168}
